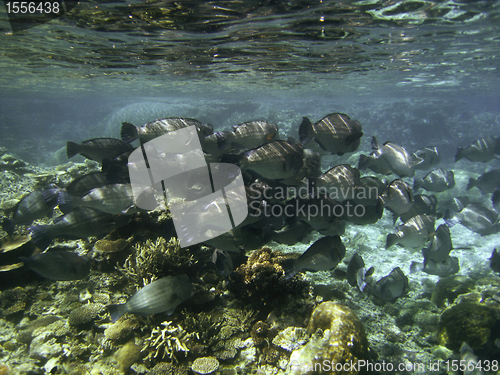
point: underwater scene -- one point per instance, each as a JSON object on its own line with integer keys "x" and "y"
{"x": 250, "y": 187}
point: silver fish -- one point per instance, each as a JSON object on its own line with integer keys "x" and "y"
{"x": 422, "y": 204}
{"x": 323, "y": 255}
{"x": 59, "y": 265}
{"x": 482, "y": 150}
{"x": 223, "y": 262}
{"x": 79, "y": 223}
{"x": 162, "y": 295}
{"x": 414, "y": 233}
{"x": 437, "y": 180}
{"x": 400, "y": 161}
{"x": 356, "y": 272}
{"x": 310, "y": 168}
{"x": 392, "y": 286}
{"x": 163, "y": 126}
{"x": 398, "y": 198}
{"x": 488, "y": 182}
{"x": 98, "y": 148}
{"x": 455, "y": 204}
{"x": 440, "y": 245}
{"x": 426, "y": 158}
{"x": 339, "y": 182}
{"x": 335, "y": 133}
{"x": 445, "y": 268}
{"x": 476, "y": 217}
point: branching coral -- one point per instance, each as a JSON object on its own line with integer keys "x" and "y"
{"x": 169, "y": 341}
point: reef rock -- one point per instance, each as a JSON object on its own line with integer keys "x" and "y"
{"x": 338, "y": 340}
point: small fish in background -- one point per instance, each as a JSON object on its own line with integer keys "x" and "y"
{"x": 397, "y": 198}
{"x": 248, "y": 135}
{"x": 426, "y": 158}
{"x": 98, "y": 148}
{"x": 114, "y": 199}
{"x": 59, "y": 265}
{"x": 445, "y": 268}
{"x": 488, "y": 182}
{"x": 437, "y": 180}
{"x": 455, "y": 204}
{"x": 357, "y": 273}
{"x": 414, "y": 233}
{"x": 422, "y": 204}
{"x": 323, "y": 255}
{"x": 391, "y": 287}
{"x": 470, "y": 362}
{"x": 395, "y": 159}
{"x": 476, "y": 217}
{"x": 35, "y": 205}
{"x": 80, "y": 223}
{"x": 339, "y": 182}
{"x": 223, "y": 262}
{"x": 156, "y": 128}
{"x": 495, "y": 260}
{"x": 162, "y": 295}
{"x": 275, "y": 160}
{"x": 482, "y": 150}
{"x": 335, "y": 133}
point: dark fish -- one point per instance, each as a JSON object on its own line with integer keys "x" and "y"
{"x": 321, "y": 213}
{"x": 369, "y": 190}
{"x": 291, "y": 234}
{"x": 356, "y": 272}
{"x": 59, "y": 265}
{"x": 114, "y": 199}
{"x": 392, "y": 286}
{"x": 245, "y": 136}
{"x": 83, "y": 185}
{"x": 378, "y": 165}
{"x": 440, "y": 245}
{"x": 455, "y": 204}
{"x": 37, "y": 204}
{"x": 360, "y": 214}
{"x": 223, "y": 262}
{"x": 495, "y": 200}
{"x": 335, "y": 133}
{"x": 339, "y": 182}
{"x": 160, "y": 127}
{"x": 97, "y": 148}
{"x": 482, "y": 150}
{"x": 495, "y": 261}
{"x": 445, "y": 268}
{"x": 488, "y": 182}
{"x": 274, "y": 160}
{"x": 426, "y": 158}
{"x": 395, "y": 157}
{"x": 476, "y": 217}
{"x": 323, "y": 255}
{"x": 162, "y": 295}
{"x": 310, "y": 168}
{"x": 414, "y": 233}
{"x": 422, "y": 204}
{"x": 397, "y": 198}
{"x": 437, "y": 180}
{"x": 80, "y": 223}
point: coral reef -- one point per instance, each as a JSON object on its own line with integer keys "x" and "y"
{"x": 85, "y": 314}
{"x": 121, "y": 330}
{"x": 338, "y": 337}
{"x": 449, "y": 288}
{"x": 291, "y": 338}
{"x": 127, "y": 355}
{"x": 205, "y": 365}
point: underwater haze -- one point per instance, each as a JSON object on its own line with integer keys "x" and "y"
{"x": 415, "y": 73}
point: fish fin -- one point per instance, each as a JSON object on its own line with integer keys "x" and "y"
{"x": 290, "y": 162}
{"x": 321, "y": 145}
{"x": 129, "y": 132}
{"x": 361, "y": 279}
{"x": 353, "y": 138}
{"x": 450, "y": 218}
{"x": 116, "y": 311}
{"x": 417, "y": 183}
{"x": 40, "y": 236}
{"x": 72, "y": 149}
{"x": 289, "y": 268}
{"x": 471, "y": 184}
{"x": 233, "y": 158}
{"x": 50, "y": 196}
{"x": 67, "y": 202}
{"x": 363, "y": 161}
{"x": 8, "y": 226}
{"x": 392, "y": 239}
{"x": 375, "y": 145}
{"x": 459, "y": 155}
{"x": 304, "y": 129}
{"x": 495, "y": 198}
{"x": 416, "y": 267}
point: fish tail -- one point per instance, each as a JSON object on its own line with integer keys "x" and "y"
{"x": 66, "y": 201}
{"x": 41, "y": 236}
{"x": 471, "y": 184}
{"x": 304, "y": 130}
{"x": 460, "y": 154}
{"x": 450, "y": 218}
{"x": 72, "y": 149}
{"x": 129, "y": 132}
{"x": 116, "y": 311}
{"x": 374, "y": 143}
{"x": 8, "y": 226}
{"x": 416, "y": 267}
{"x": 392, "y": 239}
